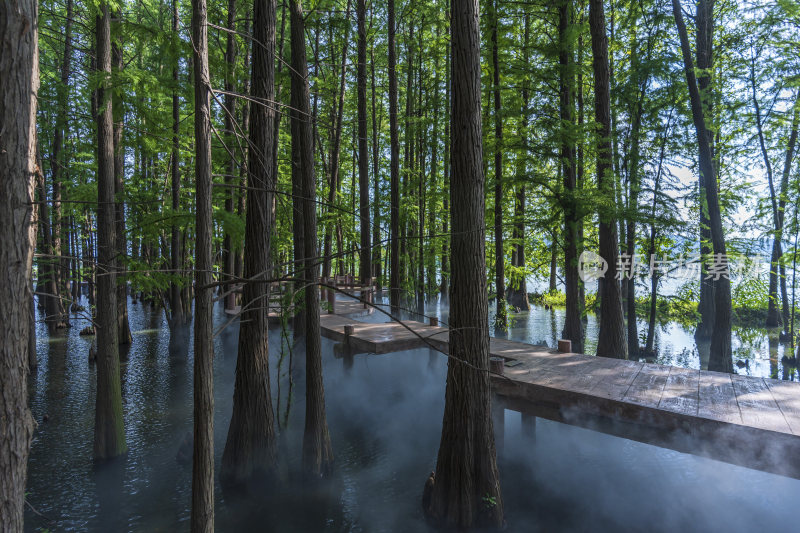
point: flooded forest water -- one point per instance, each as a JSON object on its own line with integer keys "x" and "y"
{"x": 384, "y": 414}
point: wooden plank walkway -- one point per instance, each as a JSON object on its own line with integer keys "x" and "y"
{"x": 750, "y": 421}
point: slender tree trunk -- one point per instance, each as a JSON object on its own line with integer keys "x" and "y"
{"x": 317, "y": 452}
{"x": 109, "y": 429}
{"x": 58, "y": 164}
{"x": 633, "y": 202}
{"x": 202, "y": 518}
{"x": 376, "y": 213}
{"x": 445, "y": 289}
{"x": 250, "y": 447}
{"x": 394, "y": 167}
{"x": 336, "y": 149}
{"x": 651, "y": 250}
{"x": 581, "y": 163}
{"x": 720, "y": 358}
{"x": 466, "y": 492}
{"x": 499, "y": 254}
{"x": 48, "y": 278}
{"x": 704, "y": 50}
{"x": 573, "y": 326}
{"x": 365, "y": 256}
{"x": 19, "y": 84}
{"x": 611, "y": 339}
{"x": 124, "y": 335}
{"x": 518, "y": 291}
{"x": 177, "y": 320}
{"x": 238, "y": 264}
{"x": 553, "y": 281}
{"x": 434, "y": 164}
{"x": 228, "y": 253}
{"x": 787, "y": 169}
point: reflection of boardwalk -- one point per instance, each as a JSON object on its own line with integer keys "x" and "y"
{"x": 753, "y": 422}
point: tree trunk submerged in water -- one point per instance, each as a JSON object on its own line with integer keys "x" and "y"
{"x": 611, "y": 339}
{"x": 573, "y": 327}
{"x": 317, "y": 452}
{"x": 123, "y": 325}
{"x": 19, "y": 85}
{"x": 178, "y": 327}
{"x": 365, "y": 255}
{"x": 704, "y": 44}
{"x": 394, "y": 169}
{"x": 109, "y": 429}
{"x": 250, "y": 447}
{"x": 720, "y": 358}
{"x": 466, "y": 491}
{"x": 202, "y": 518}
{"x": 499, "y": 254}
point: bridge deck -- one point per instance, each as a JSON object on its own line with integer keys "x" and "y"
{"x": 751, "y": 421}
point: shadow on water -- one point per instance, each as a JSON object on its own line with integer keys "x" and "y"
{"x": 384, "y": 414}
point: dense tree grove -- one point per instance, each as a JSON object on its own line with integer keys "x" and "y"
{"x": 440, "y": 149}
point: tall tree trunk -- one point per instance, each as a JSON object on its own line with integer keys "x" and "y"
{"x": 573, "y": 326}
{"x": 109, "y": 429}
{"x": 58, "y": 164}
{"x": 651, "y": 250}
{"x": 250, "y": 448}
{"x": 365, "y": 257}
{"x": 228, "y": 254}
{"x": 720, "y": 358}
{"x": 336, "y": 149}
{"x": 394, "y": 167}
{"x": 124, "y": 335}
{"x": 499, "y": 254}
{"x": 581, "y": 162}
{"x": 773, "y": 316}
{"x": 202, "y": 518}
{"x": 787, "y": 169}
{"x": 434, "y": 164}
{"x": 445, "y": 288}
{"x": 633, "y": 200}
{"x": 778, "y": 202}
{"x": 611, "y": 339}
{"x": 705, "y": 54}
{"x": 47, "y": 267}
{"x": 518, "y": 291}
{"x": 466, "y": 492}
{"x": 19, "y": 84}
{"x": 177, "y": 320}
{"x": 376, "y": 213}
{"x": 238, "y": 263}
{"x": 317, "y": 452}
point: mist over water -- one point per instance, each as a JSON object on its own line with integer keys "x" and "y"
{"x": 384, "y": 414}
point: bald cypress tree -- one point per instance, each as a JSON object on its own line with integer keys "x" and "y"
{"x": 317, "y": 452}
{"x": 109, "y": 430}
{"x": 202, "y": 518}
{"x": 19, "y": 85}
{"x": 611, "y": 339}
{"x": 466, "y": 492}
{"x": 250, "y": 448}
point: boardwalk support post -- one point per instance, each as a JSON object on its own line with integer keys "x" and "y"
{"x": 528, "y": 425}
{"x": 331, "y": 301}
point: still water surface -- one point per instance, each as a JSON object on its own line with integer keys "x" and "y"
{"x": 384, "y": 414}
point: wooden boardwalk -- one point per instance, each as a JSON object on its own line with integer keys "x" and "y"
{"x": 750, "y": 421}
